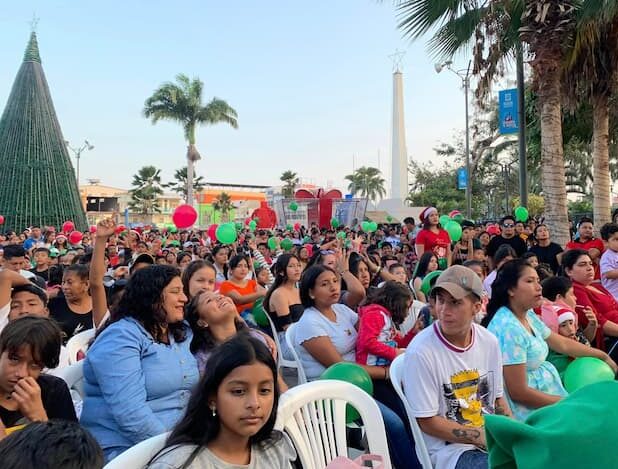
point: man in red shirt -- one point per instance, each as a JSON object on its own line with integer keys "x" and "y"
{"x": 588, "y": 242}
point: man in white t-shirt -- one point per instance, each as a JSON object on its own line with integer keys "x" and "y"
{"x": 453, "y": 375}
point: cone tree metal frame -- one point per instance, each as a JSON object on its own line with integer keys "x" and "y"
{"x": 37, "y": 180}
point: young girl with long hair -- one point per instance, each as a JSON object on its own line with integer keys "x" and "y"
{"x": 231, "y": 414}
{"x": 427, "y": 263}
{"x": 282, "y": 302}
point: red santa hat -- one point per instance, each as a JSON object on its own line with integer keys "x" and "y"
{"x": 426, "y": 212}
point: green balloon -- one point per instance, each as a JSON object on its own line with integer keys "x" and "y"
{"x": 287, "y": 244}
{"x": 584, "y": 371}
{"x": 365, "y": 226}
{"x": 334, "y": 222}
{"x": 293, "y": 206}
{"x": 226, "y": 233}
{"x": 389, "y": 218}
{"x": 256, "y": 219}
{"x": 259, "y": 314}
{"x": 429, "y": 280}
{"x": 373, "y": 226}
{"x": 238, "y": 226}
{"x": 306, "y": 240}
{"x": 272, "y": 243}
{"x": 444, "y": 219}
{"x": 454, "y": 230}
{"x": 252, "y": 225}
{"x": 353, "y": 374}
{"x": 341, "y": 235}
{"x": 458, "y": 218}
{"x": 521, "y": 214}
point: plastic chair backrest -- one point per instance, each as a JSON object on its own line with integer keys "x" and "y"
{"x": 73, "y": 375}
{"x": 79, "y": 342}
{"x": 314, "y": 417}
{"x": 282, "y": 362}
{"x": 396, "y": 372}
{"x": 138, "y": 456}
{"x": 290, "y": 334}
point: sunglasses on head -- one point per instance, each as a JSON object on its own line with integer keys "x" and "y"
{"x": 324, "y": 253}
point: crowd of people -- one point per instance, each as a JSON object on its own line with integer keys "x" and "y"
{"x": 486, "y": 324}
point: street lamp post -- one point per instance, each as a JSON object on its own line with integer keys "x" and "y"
{"x": 78, "y": 153}
{"x": 464, "y": 74}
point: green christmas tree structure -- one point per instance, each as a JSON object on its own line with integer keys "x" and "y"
{"x": 37, "y": 180}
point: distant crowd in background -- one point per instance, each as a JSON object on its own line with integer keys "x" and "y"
{"x": 184, "y": 332}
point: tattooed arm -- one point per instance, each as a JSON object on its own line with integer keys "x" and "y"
{"x": 453, "y": 432}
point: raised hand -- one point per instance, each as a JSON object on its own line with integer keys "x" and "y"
{"x": 105, "y": 228}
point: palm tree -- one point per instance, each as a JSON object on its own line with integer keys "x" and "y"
{"x": 146, "y": 191}
{"x": 182, "y": 102}
{"x": 223, "y": 204}
{"x": 495, "y": 28}
{"x": 179, "y": 184}
{"x": 590, "y": 76}
{"x": 368, "y": 182}
{"x": 291, "y": 180}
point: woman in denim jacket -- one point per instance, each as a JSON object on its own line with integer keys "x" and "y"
{"x": 139, "y": 371}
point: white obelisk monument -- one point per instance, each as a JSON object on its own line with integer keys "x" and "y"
{"x": 399, "y": 153}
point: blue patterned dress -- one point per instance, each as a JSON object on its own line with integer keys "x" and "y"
{"x": 520, "y": 347}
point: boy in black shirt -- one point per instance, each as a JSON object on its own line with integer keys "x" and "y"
{"x": 27, "y": 346}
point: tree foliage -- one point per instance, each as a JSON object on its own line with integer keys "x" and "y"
{"x": 290, "y": 180}
{"x": 182, "y": 102}
{"x": 179, "y": 184}
{"x": 368, "y": 182}
{"x": 223, "y": 204}
{"x": 147, "y": 188}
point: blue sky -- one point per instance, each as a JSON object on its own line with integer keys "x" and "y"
{"x": 311, "y": 82}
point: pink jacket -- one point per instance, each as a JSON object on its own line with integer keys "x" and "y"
{"x": 378, "y": 340}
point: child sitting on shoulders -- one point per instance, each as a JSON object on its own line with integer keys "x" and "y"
{"x": 379, "y": 340}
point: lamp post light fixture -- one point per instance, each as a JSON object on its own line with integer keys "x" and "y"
{"x": 464, "y": 74}
{"x": 78, "y": 153}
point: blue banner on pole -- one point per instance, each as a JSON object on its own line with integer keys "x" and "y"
{"x": 462, "y": 178}
{"x": 509, "y": 118}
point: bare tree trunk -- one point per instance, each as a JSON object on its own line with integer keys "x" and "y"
{"x": 189, "y": 182}
{"x": 600, "y": 161}
{"x": 552, "y": 152}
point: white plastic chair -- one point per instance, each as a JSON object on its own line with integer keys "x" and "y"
{"x": 283, "y": 362}
{"x": 396, "y": 372}
{"x": 314, "y": 417}
{"x": 73, "y": 375}
{"x": 79, "y": 342}
{"x": 139, "y": 455}
{"x": 413, "y": 313}
{"x": 290, "y": 334}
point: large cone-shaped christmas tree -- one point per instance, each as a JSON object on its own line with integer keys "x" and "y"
{"x": 37, "y": 180}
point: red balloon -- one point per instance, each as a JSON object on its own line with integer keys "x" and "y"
{"x": 247, "y": 220}
{"x": 68, "y": 226}
{"x": 119, "y": 229}
{"x": 212, "y": 232}
{"x": 296, "y": 226}
{"x": 93, "y": 228}
{"x": 1, "y": 220}
{"x": 75, "y": 237}
{"x": 184, "y": 216}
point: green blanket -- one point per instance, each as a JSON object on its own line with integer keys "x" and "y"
{"x": 580, "y": 431}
